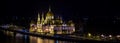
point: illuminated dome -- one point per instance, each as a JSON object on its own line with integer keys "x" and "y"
{"x": 49, "y": 13}
{"x": 51, "y": 24}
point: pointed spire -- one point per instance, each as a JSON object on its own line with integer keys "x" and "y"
{"x": 38, "y": 16}
{"x": 38, "y": 19}
{"x": 49, "y": 8}
{"x": 42, "y": 14}
{"x": 42, "y": 18}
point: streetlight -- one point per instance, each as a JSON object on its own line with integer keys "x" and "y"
{"x": 110, "y": 35}
{"x": 89, "y": 34}
{"x": 102, "y": 35}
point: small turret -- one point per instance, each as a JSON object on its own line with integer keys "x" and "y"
{"x": 38, "y": 19}
{"x": 42, "y": 21}
{"x": 70, "y": 23}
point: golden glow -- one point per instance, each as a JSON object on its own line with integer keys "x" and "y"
{"x": 51, "y": 29}
{"x": 42, "y": 21}
{"x": 72, "y": 24}
{"x": 39, "y": 40}
{"x": 33, "y": 39}
{"x": 47, "y": 24}
{"x": 89, "y": 34}
{"x": 39, "y": 30}
{"x": 73, "y": 30}
{"x": 59, "y": 32}
{"x": 49, "y": 15}
{"x": 38, "y": 20}
{"x": 51, "y": 41}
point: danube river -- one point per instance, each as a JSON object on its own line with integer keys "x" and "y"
{"x": 10, "y": 37}
{"x": 20, "y": 38}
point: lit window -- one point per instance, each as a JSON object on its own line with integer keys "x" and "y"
{"x": 110, "y": 35}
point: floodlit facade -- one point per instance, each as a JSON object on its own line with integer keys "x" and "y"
{"x": 47, "y": 23}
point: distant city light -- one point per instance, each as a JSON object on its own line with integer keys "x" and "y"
{"x": 64, "y": 25}
{"x": 89, "y": 34}
{"x": 118, "y": 36}
{"x": 102, "y": 35}
{"x": 110, "y": 35}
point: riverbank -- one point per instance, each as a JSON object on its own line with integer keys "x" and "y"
{"x": 58, "y": 37}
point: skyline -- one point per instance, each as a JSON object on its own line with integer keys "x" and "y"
{"x": 99, "y": 13}
{"x": 60, "y": 21}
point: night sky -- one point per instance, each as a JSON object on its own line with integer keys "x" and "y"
{"x": 103, "y": 15}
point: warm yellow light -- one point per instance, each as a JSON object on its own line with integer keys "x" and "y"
{"x": 59, "y": 32}
{"x": 39, "y": 40}
{"x": 39, "y": 26}
{"x": 72, "y": 24}
{"x": 74, "y": 30}
{"x": 89, "y": 34}
{"x": 39, "y": 30}
{"x": 52, "y": 27}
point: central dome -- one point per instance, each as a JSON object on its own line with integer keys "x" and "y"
{"x": 49, "y": 13}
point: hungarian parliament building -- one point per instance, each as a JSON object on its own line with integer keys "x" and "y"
{"x": 48, "y": 23}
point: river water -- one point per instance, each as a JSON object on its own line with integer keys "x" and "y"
{"x": 20, "y": 38}
{"x": 6, "y": 37}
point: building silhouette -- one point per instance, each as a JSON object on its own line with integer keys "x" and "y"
{"x": 50, "y": 24}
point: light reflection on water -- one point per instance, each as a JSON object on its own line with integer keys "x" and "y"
{"x": 19, "y": 38}
{"x": 42, "y": 40}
